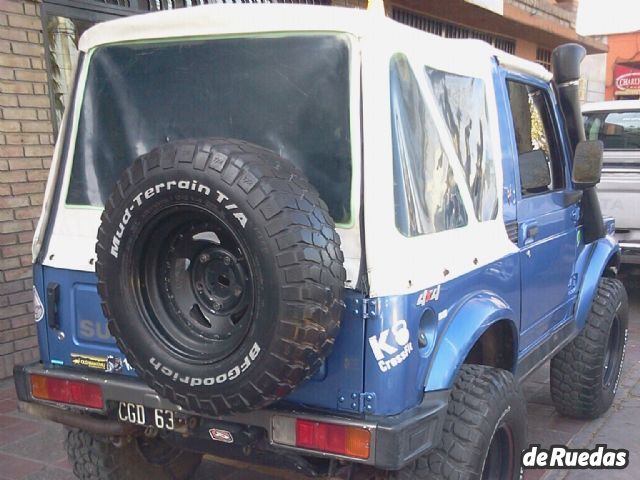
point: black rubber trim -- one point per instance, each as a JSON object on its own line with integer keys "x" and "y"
{"x": 535, "y": 358}
{"x": 21, "y": 382}
{"x": 402, "y": 438}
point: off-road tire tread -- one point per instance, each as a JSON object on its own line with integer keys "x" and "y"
{"x": 309, "y": 256}
{"x": 474, "y": 394}
{"x": 96, "y": 458}
{"x": 576, "y": 382}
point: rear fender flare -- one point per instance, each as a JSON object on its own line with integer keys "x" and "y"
{"x": 476, "y": 314}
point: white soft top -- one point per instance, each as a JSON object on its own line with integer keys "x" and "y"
{"x": 612, "y": 105}
{"x": 242, "y": 19}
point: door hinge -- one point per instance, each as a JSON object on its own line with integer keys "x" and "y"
{"x": 369, "y": 308}
{"x": 357, "y": 402}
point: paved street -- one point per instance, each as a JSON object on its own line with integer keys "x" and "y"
{"x": 32, "y": 450}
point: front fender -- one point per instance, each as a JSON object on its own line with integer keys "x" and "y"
{"x": 602, "y": 251}
{"x": 468, "y": 324}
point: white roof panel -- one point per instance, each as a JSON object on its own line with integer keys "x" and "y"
{"x": 234, "y": 19}
{"x": 228, "y": 19}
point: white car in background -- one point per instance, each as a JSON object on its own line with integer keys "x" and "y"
{"x": 617, "y": 124}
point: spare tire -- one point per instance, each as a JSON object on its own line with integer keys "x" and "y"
{"x": 221, "y": 274}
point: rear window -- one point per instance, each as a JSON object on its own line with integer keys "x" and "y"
{"x": 617, "y": 130}
{"x": 288, "y": 94}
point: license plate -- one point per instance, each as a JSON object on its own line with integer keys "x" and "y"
{"x": 144, "y": 416}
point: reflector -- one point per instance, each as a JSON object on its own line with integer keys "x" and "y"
{"x": 332, "y": 438}
{"x": 66, "y": 391}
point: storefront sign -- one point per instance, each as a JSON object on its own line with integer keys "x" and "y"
{"x": 496, "y": 6}
{"x": 626, "y": 80}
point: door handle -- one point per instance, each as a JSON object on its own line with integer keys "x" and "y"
{"x": 53, "y": 296}
{"x": 529, "y": 232}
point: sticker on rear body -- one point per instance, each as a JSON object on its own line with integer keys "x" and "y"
{"x": 109, "y": 364}
{"x": 392, "y": 347}
{"x": 38, "y": 308}
{"x": 89, "y": 361}
{"x": 430, "y": 294}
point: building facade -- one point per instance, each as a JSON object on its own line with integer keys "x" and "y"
{"x": 530, "y": 29}
{"x": 623, "y": 67}
{"x": 38, "y": 49}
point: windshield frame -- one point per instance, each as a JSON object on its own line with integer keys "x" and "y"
{"x": 354, "y": 111}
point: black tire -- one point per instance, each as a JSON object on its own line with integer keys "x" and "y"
{"x": 97, "y": 458}
{"x": 221, "y": 274}
{"x": 484, "y": 431}
{"x": 585, "y": 373}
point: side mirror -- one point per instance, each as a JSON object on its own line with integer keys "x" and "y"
{"x": 534, "y": 171}
{"x": 587, "y": 164}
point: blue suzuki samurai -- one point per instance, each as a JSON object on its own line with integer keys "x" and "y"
{"x": 315, "y": 238}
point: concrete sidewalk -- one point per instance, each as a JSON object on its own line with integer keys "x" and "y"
{"x": 618, "y": 428}
{"x": 32, "y": 450}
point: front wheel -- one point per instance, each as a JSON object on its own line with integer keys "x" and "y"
{"x": 97, "y": 458}
{"x": 484, "y": 431}
{"x": 585, "y": 373}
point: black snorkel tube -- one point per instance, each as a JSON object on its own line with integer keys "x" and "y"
{"x": 566, "y": 61}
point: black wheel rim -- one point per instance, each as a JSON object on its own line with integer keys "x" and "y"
{"x": 500, "y": 461}
{"x": 612, "y": 354}
{"x": 194, "y": 283}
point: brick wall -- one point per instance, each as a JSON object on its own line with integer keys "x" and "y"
{"x": 26, "y": 144}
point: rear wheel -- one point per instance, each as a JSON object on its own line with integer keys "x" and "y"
{"x": 585, "y": 373}
{"x": 484, "y": 431}
{"x": 93, "y": 457}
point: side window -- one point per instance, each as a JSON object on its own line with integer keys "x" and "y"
{"x": 427, "y": 198}
{"x": 539, "y": 154}
{"x": 463, "y": 104}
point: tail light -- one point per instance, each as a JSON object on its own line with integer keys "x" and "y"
{"x": 346, "y": 440}
{"x": 71, "y": 392}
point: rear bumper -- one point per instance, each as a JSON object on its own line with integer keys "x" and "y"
{"x": 395, "y": 440}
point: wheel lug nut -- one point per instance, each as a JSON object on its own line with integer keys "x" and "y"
{"x": 237, "y": 291}
{"x": 204, "y": 258}
{"x": 226, "y": 261}
{"x": 216, "y": 306}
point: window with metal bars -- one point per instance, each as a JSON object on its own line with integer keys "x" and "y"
{"x": 543, "y": 57}
{"x": 450, "y": 30}
{"x": 154, "y": 5}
